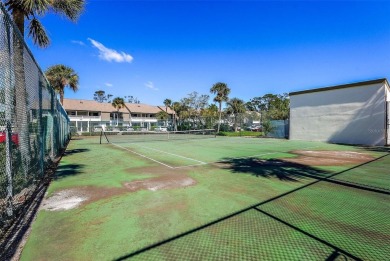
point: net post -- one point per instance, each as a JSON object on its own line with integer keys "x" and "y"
{"x": 106, "y": 137}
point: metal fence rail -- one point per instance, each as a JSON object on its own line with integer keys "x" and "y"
{"x": 34, "y": 127}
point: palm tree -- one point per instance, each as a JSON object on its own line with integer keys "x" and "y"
{"x": 176, "y": 110}
{"x": 32, "y": 9}
{"x": 168, "y": 104}
{"x": 222, "y": 91}
{"x": 61, "y": 76}
{"x": 118, "y": 103}
{"x": 235, "y": 106}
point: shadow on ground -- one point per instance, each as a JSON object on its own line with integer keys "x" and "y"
{"x": 67, "y": 170}
{"x": 377, "y": 149}
{"x": 283, "y": 170}
{"x": 75, "y": 151}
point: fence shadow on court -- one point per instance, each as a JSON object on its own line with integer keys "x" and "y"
{"x": 377, "y": 149}
{"x": 67, "y": 170}
{"x": 292, "y": 171}
{"x": 277, "y": 168}
{"x": 75, "y": 151}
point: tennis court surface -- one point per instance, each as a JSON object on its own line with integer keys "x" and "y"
{"x": 198, "y": 197}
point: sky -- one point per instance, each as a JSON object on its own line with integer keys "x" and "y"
{"x": 155, "y": 50}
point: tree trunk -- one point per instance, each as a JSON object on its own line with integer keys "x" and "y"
{"x": 62, "y": 96}
{"x": 174, "y": 122}
{"x": 130, "y": 119}
{"x": 21, "y": 94}
{"x": 220, "y": 116}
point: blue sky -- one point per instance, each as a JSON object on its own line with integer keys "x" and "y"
{"x": 166, "y": 49}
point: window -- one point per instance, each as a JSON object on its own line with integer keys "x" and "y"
{"x": 94, "y": 113}
{"x": 82, "y": 113}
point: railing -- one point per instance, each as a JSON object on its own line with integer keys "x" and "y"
{"x": 144, "y": 119}
{"x": 84, "y": 117}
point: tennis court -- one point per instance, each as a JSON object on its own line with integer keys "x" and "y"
{"x": 201, "y": 197}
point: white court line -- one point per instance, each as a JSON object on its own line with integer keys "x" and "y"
{"x": 201, "y": 162}
{"x": 174, "y": 155}
{"x": 187, "y": 166}
{"x": 141, "y": 155}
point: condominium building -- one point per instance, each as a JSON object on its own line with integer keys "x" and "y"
{"x": 89, "y": 115}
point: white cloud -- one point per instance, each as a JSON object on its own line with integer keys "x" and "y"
{"x": 108, "y": 84}
{"x": 110, "y": 55}
{"x": 151, "y": 86}
{"x": 78, "y": 42}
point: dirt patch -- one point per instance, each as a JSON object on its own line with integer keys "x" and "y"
{"x": 166, "y": 179}
{"x": 162, "y": 182}
{"x": 76, "y": 197}
{"x": 328, "y": 158}
{"x": 63, "y": 200}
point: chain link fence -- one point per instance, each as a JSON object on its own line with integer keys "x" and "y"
{"x": 34, "y": 127}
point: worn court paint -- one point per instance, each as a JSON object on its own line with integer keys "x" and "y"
{"x": 352, "y": 115}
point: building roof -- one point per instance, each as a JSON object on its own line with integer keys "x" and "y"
{"x": 349, "y": 85}
{"x": 167, "y": 109}
{"x": 89, "y": 105}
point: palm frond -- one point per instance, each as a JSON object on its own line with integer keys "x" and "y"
{"x": 38, "y": 33}
{"x": 74, "y": 82}
{"x": 70, "y": 8}
{"x": 28, "y": 7}
{"x": 61, "y": 76}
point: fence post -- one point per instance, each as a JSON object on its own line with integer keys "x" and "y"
{"x": 40, "y": 129}
{"x": 8, "y": 130}
{"x": 52, "y": 100}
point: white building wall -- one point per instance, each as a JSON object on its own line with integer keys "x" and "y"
{"x": 354, "y": 115}
{"x": 388, "y": 93}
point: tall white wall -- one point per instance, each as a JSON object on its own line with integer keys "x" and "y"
{"x": 354, "y": 115}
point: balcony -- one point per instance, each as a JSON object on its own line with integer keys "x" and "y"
{"x": 84, "y": 118}
{"x": 143, "y": 119}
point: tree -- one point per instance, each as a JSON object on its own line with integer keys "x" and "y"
{"x": 221, "y": 90}
{"x": 272, "y": 106}
{"x": 30, "y": 10}
{"x": 192, "y": 106}
{"x": 109, "y": 96}
{"x": 61, "y": 76}
{"x": 168, "y": 104}
{"x": 118, "y": 103}
{"x": 267, "y": 127}
{"x": 132, "y": 99}
{"x": 162, "y": 115}
{"x": 100, "y": 96}
{"x": 210, "y": 115}
{"x": 235, "y": 106}
{"x": 176, "y": 106}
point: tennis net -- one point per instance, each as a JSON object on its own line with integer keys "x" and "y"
{"x": 144, "y": 136}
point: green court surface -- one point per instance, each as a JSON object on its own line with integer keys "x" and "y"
{"x": 215, "y": 199}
